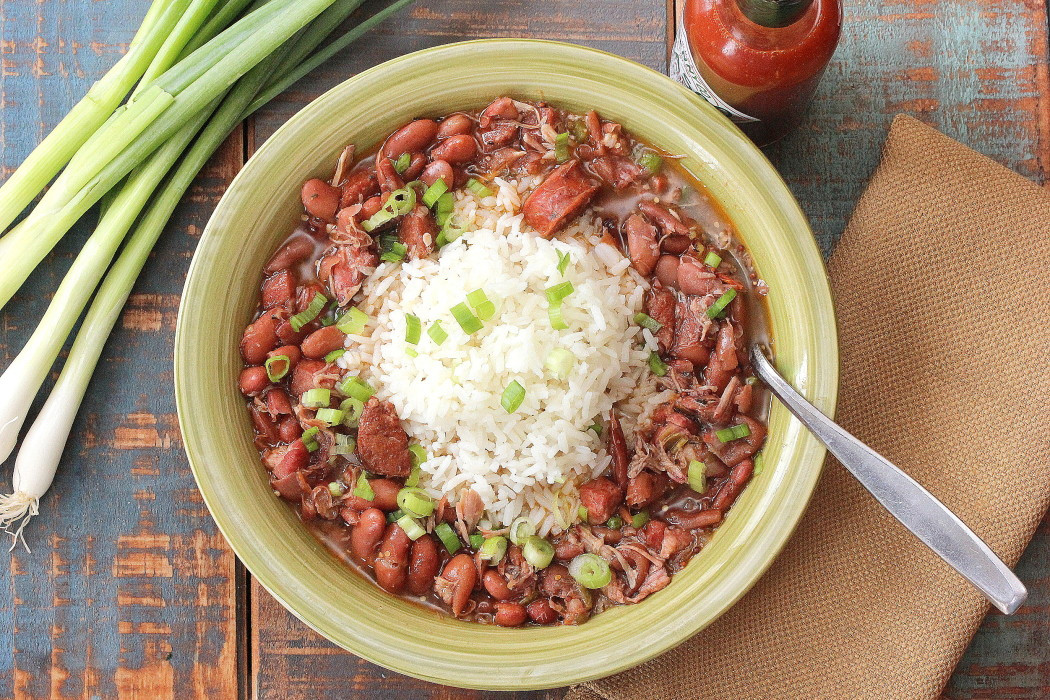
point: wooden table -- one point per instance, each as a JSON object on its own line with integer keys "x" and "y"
{"x": 131, "y": 591}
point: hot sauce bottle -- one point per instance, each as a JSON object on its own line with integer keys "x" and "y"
{"x": 758, "y": 61}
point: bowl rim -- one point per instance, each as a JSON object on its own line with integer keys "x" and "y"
{"x": 823, "y": 383}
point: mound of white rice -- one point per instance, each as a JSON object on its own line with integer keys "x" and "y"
{"x": 448, "y": 396}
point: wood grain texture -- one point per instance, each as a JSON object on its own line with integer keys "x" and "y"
{"x": 131, "y": 592}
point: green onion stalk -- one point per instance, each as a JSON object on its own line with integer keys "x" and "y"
{"x": 37, "y": 461}
{"x": 143, "y": 125}
{"x": 85, "y": 118}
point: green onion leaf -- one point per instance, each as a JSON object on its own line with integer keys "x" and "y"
{"x": 330, "y": 416}
{"x": 344, "y": 445}
{"x": 352, "y": 322}
{"x": 394, "y": 516}
{"x": 466, "y": 319}
{"x": 352, "y": 409}
{"x": 718, "y": 308}
{"x": 713, "y": 259}
{"x": 411, "y": 352}
{"x": 520, "y": 530}
{"x": 558, "y": 292}
{"x": 559, "y": 363}
{"x": 402, "y": 162}
{"x": 397, "y": 253}
{"x": 640, "y": 519}
{"x": 590, "y": 570}
{"x": 413, "y": 476}
{"x": 483, "y": 306}
{"x": 596, "y": 427}
{"x": 615, "y": 522}
{"x": 512, "y": 397}
{"x": 363, "y": 488}
{"x": 651, "y": 162}
{"x": 556, "y": 318}
{"x": 697, "y": 474}
{"x": 336, "y": 489}
{"x": 478, "y": 188}
{"x": 538, "y": 552}
{"x": 357, "y": 388}
{"x": 561, "y": 147}
{"x": 563, "y": 261}
{"x": 647, "y": 321}
{"x": 415, "y": 501}
{"x": 581, "y": 512}
{"x": 435, "y": 192}
{"x": 419, "y": 455}
{"x": 760, "y": 463}
{"x": 656, "y": 365}
{"x": 734, "y": 433}
{"x": 493, "y": 549}
{"x": 277, "y": 367}
{"x": 376, "y": 220}
{"x": 413, "y": 329}
{"x": 309, "y": 438}
{"x": 448, "y": 538}
{"x": 438, "y": 334}
{"x": 309, "y": 313}
{"x": 476, "y": 540}
{"x": 411, "y": 527}
{"x": 334, "y": 355}
{"x": 580, "y": 132}
{"x": 449, "y": 232}
{"x": 316, "y": 398}
{"x": 751, "y": 381}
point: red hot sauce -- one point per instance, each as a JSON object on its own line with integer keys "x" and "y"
{"x": 758, "y": 61}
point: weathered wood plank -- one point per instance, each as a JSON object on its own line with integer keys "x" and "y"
{"x": 129, "y": 589}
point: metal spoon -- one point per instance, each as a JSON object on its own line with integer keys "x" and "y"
{"x": 926, "y": 517}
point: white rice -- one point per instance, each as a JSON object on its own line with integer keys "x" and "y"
{"x": 448, "y": 397}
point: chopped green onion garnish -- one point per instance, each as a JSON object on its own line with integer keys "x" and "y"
{"x": 352, "y": 322}
{"x": 561, "y": 147}
{"x": 713, "y": 259}
{"x": 352, "y": 409}
{"x": 651, "y": 162}
{"x": 760, "y": 463}
{"x": 719, "y": 307}
{"x": 435, "y": 192}
{"x": 640, "y": 519}
{"x": 396, "y": 253}
{"x": 556, "y": 318}
{"x": 438, "y": 334}
{"x": 376, "y": 220}
{"x": 581, "y": 512}
{"x": 493, "y": 549}
{"x": 413, "y": 329}
{"x": 330, "y": 416}
{"x": 309, "y": 438}
{"x": 656, "y": 365}
{"x": 276, "y": 367}
{"x": 478, "y": 188}
{"x": 344, "y": 444}
{"x": 415, "y": 501}
{"x": 328, "y": 320}
{"x": 449, "y": 232}
{"x": 615, "y": 522}
{"x": 538, "y": 552}
{"x": 751, "y": 381}
{"x": 563, "y": 261}
{"x": 448, "y": 538}
{"x": 647, "y": 321}
{"x": 398, "y": 203}
{"x": 413, "y": 476}
{"x": 466, "y": 319}
{"x": 476, "y": 540}
{"x": 520, "y": 530}
{"x": 590, "y": 570}
{"x": 560, "y": 362}
{"x": 412, "y": 528}
{"x": 395, "y": 516}
{"x": 596, "y": 427}
{"x": 445, "y": 204}
{"x": 309, "y": 313}
{"x": 483, "y": 307}
{"x": 580, "y": 131}
{"x": 315, "y": 398}
{"x": 334, "y": 355}
{"x": 402, "y": 162}
{"x": 512, "y": 397}
{"x": 558, "y": 292}
{"x": 363, "y": 488}
{"x": 697, "y": 476}
{"x": 419, "y": 455}
{"x": 411, "y": 352}
{"x": 734, "y": 433}
{"x": 357, "y": 388}
{"x": 336, "y": 489}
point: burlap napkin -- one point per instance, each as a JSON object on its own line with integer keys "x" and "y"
{"x": 942, "y": 285}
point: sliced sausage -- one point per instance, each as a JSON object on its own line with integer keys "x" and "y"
{"x": 562, "y": 196}
{"x": 601, "y": 497}
{"x": 643, "y": 246}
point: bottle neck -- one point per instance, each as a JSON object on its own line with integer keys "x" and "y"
{"x": 773, "y": 13}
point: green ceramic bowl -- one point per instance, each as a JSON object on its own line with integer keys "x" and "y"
{"x": 262, "y": 206}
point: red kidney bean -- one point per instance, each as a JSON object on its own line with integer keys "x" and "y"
{"x": 322, "y": 341}
{"x": 415, "y": 167}
{"x": 454, "y": 125}
{"x": 361, "y": 185}
{"x": 462, "y": 574}
{"x": 389, "y": 180}
{"x": 289, "y": 351}
{"x": 258, "y": 339}
{"x": 293, "y": 250}
{"x": 295, "y": 458}
{"x": 385, "y": 498}
{"x": 608, "y": 534}
{"x": 676, "y": 245}
{"x": 455, "y": 149}
{"x": 500, "y": 107}
{"x": 264, "y": 423}
{"x": 667, "y": 270}
{"x": 303, "y": 376}
{"x": 369, "y": 208}
{"x": 438, "y": 170}
{"x": 696, "y": 278}
{"x": 412, "y": 137}
{"x": 510, "y": 614}
{"x": 368, "y": 532}
{"x": 566, "y": 550}
{"x": 738, "y": 477}
{"x": 306, "y": 294}
{"x": 278, "y": 289}
{"x": 391, "y": 565}
{"x": 541, "y": 612}
{"x": 496, "y": 585}
{"x": 422, "y": 565}
{"x": 321, "y": 199}
{"x": 253, "y": 380}
{"x": 278, "y": 403}
{"x": 289, "y": 429}
{"x": 288, "y": 335}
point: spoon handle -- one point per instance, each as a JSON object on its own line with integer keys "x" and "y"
{"x": 926, "y": 517}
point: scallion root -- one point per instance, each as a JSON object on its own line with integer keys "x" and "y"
{"x": 17, "y": 509}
